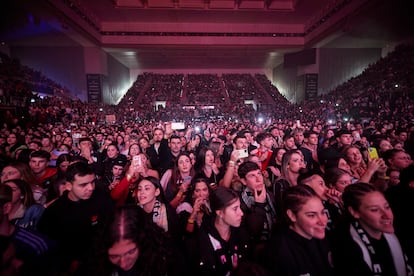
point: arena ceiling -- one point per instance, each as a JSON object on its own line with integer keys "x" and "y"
{"x": 165, "y": 34}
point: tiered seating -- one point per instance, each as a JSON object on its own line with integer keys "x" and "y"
{"x": 204, "y": 89}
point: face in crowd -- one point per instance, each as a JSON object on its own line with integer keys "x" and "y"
{"x": 147, "y": 194}
{"x": 370, "y": 208}
{"x": 82, "y": 187}
{"x": 305, "y": 212}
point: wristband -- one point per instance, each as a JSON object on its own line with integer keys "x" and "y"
{"x": 232, "y": 163}
{"x": 190, "y": 221}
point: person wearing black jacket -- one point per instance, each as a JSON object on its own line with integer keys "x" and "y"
{"x": 221, "y": 244}
{"x": 159, "y": 152}
{"x": 74, "y": 219}
{"x": 365, "y": 243}
{"x": 298, "y": 245}
{"x": 257, "y": 204}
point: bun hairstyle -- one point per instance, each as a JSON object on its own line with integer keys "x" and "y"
{"x": 352, "y": 195}
{"x": 222, "y": 197}
{"x": 295, "y": 197}
{"x": 332, "y": 175}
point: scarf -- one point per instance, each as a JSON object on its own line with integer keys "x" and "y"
{"x": 359, "y": 235}
{"x": 248, "y": 199}
{"x": 159, "y": 215}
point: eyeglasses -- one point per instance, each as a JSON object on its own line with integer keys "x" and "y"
{"x": 128, "y": 254}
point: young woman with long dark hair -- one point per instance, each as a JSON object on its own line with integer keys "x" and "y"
{"x": 222, "y": 244}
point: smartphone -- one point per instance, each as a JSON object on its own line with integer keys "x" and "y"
{"x": 243, "y": 153}
{"x": 137, "y": 160}
{"x": 177, "y": 125}
{"x": 373, "y": 154}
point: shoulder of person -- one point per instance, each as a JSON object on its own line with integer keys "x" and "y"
{"x": 35, "y": 209}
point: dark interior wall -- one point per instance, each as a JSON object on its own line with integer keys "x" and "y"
{"x": 118, "y": 81}
{"x": 336, "y": 65}
{"x": 304, "y": 57}
{"x": 65, "y": 65}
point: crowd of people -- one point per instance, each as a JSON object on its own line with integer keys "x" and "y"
{"x": 321, "y": 188}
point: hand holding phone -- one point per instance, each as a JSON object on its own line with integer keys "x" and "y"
{"x": 372, "y": 152}
{"x": 243, "y": 153}
{"x": 136, "y": 161}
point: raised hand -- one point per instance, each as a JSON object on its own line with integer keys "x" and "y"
{"x": 260, "y": 195}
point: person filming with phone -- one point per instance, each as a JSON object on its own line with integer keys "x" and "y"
{"x": 373, "y": 171}
{"x": 123, "y": 193}
{"x": 237, "y": 156}
{"x": 176, "y": 181}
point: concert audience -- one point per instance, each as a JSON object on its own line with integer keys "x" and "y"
{"x": 333, "y": 136}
